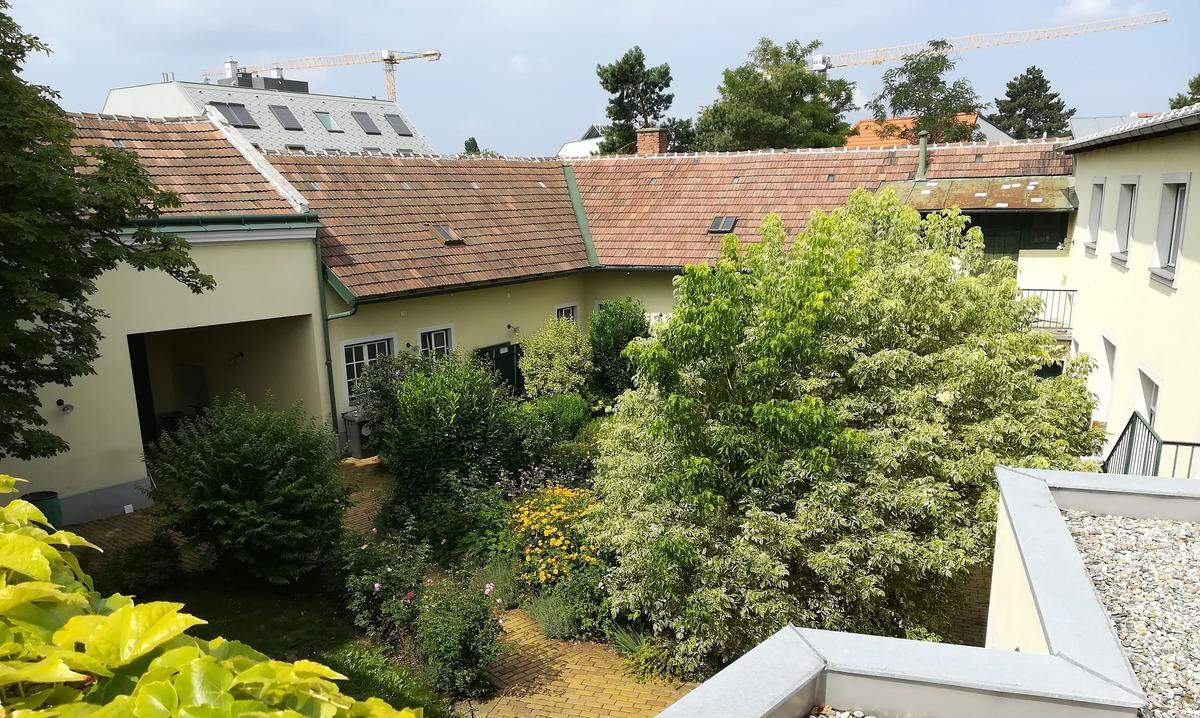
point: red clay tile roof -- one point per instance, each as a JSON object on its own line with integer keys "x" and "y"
{"x": 869, "y": 131}
{"x": 655, "y": 211}
{"x": 514, "y": 216}
{"x": 188, "y": 156}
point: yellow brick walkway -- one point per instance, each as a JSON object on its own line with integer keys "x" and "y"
{"x": 544, "y": 678}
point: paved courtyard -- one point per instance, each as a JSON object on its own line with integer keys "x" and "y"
{"x": 544, "y": 678}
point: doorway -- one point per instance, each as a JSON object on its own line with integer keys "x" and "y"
{"x": 506, "y": 360}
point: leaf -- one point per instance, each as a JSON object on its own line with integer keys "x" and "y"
{"x": 69, "y": 539}
{"x": 34, "y": 591}
{"x": 47, "y": 670}
{"x": 130, "y": 632}
{"x": 22, "y": 513}
{"x": 8, "y": 484}
{"x": 203, "y": 682}
{"x": 312, "y": 668}
{"x": 156, "y": 699}
{"x": 24, "y": 555}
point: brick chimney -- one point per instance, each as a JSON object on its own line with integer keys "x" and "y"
{"x": 651, "y": 141}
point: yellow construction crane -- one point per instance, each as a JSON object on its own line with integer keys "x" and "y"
{"x": 389, "y": 58}
{"x": 991, "y": 39}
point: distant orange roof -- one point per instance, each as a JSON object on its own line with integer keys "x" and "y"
{"x": 869, "y": 131}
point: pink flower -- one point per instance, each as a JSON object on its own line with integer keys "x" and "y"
{"x": 374, "y": 531}
{"x": 487, "y": 590}
{"x": 376, "y": 587}
{"x": 443, "y": 542}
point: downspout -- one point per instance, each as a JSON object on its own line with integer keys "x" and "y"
{"x": 922, "y": 154}
{"x": 325, "y": 334}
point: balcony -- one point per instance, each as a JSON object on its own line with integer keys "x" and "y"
{"x": 1140, "y": 450}
{"x": 1058, "y": 309}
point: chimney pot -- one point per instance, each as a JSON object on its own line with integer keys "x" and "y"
{"x": 651, "y": 141}
{"x": 231, "y": 68}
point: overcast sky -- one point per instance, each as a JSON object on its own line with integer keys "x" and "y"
{"x": 520, "y": 74}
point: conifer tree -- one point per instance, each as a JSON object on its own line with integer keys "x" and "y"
{"x": 1030, "y": 109}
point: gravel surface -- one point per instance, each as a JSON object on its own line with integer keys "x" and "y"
{"x": 831, "y": 712}
{"x": 1147, "y": 573}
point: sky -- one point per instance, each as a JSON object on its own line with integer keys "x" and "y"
{"x": 520, "y": 76}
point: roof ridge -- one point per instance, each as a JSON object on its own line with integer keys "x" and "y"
{"x": 1052, "y": 141}
{"x": 1140, "y": 123}
{"x": 181, "y": 119}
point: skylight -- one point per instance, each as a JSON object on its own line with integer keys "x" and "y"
{"x": 366, "y": 123}
{"x": 327, "y": 121}
{"x": 285, "y": 117}
{"x": 722, "y": 225}
{"x": 236, "y": 114}
{"x": 446, "y": 233}
{"x": 397, "y": 123}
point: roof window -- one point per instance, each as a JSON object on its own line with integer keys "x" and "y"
{"x": 446, "y": 233}
{"x": 236, "y": 114}
{"x": 722, "y": 225}
{"x": 366, "y": 123}
{"x": 372, "y": 151}
{"x": 737, "y": 179}
{"x": 327, "y": 121}
{"x": 830, "y": 177}
{"x": 286, "y": 119}
{"x": 398, "y": 124}
{"x": 294, "y": 148}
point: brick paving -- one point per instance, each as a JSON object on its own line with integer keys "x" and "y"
{"x": 544, "y": 678}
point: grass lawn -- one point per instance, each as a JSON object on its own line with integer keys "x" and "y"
{"x": 290, "y": 626}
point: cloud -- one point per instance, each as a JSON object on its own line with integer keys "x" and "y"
{"x": 1082, "y": 10}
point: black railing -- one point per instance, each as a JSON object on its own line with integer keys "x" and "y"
{"x": 1139, "y": 450}
{"x": 1058, "y": 307}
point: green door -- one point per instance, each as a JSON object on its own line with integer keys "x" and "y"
{"x": 505, "y": 359}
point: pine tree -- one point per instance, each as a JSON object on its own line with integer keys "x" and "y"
{"x": 471, "y": 146}
{"x": 1029, "y": 109}
{"x": 639, "y": 98}
{"x": 1191, "y": 97}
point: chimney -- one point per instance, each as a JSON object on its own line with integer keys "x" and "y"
{"x": 275, "y": 72}
{"x": 922, "y": 154}
{"x": 651, "y": 141}
{"x": 231, "y": 68}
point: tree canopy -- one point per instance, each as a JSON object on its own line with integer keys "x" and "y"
{"x": 775, "y": 100}
{"x": 639, "y": 98}
{"x": 814, "y": 431}
{"x": 471, "y": 146}
{"x": 1189, "y": 97}
{"x": 61, "y": 224}
{"x": 918, "y": 88}
{"x": 1030, "y": 109}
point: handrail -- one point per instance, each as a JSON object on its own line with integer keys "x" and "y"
{"x": 1140, "y": 450}
{"x": 1057, "y": 310}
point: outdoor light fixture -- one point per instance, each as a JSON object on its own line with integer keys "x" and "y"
{"x": 513, "y": 329}
{"x": 64, "y": 406}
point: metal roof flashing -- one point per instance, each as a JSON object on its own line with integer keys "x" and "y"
{"x": 1085, "y": 672}
{"x": 1168, "y": 123}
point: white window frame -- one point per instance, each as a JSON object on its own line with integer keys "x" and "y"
{"x": 1151, "y": 396}
{"x": 1126, "y": 218}
{"x": 1096, "y": 210}
{"x": 332, "y": 121}
{"x": 345, "y": 383}
{"x": 573, "y": 306}
{"x": 1172, "y": 214}
{"x": 448, "y": 328}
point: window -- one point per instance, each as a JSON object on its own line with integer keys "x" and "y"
{"x": 1096, "y": 211}
{"x": 436, "y": 342}
{"x": 398, "y": 124}
{"x": 372, "y": 151}
{"x": 1170, "y": 220}
{"x": 359, "y": 356}
{"x": 366, "y": 123}
{"x": 568, "y": 312}
{"x": 235, "y": 114}
{"x": 285, "y": 117}
{"x": 327, "y": 121}
{"x": 446, "y": 233}
{"x": 722, "y": 225}
{"x": 1126, "y": 210}
{"x": 1149, "y": 397}
{"x": 294, "y": 148}
{"x": 1109, "y": 378}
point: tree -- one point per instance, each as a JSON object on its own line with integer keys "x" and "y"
{"x": 471, "y": 146}
{"x": 775, "y": 100}
{"x": 918, "y": 88}
{"x": 1190, "y": 97}
{"x": 61, "y": 218}
{"x": 1030, "y": 109}
{"x": 814, "y": 431}
{"x": 639, "y": 98}
{"x": 610, "y": 330}
{"x": 681, "y": 134}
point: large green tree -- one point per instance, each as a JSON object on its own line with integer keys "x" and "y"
{"x": 1189, "y": 97}
{"x": 639, "y": 98}
{"x": 775, "y": 100}
{"x": 61, "y": 222}
{"x": 1030, "y": 108}
{"x": 815, "y": 429}
{"x": 918, "y": 88}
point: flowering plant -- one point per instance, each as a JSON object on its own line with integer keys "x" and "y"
{"x": 548, "y": 526}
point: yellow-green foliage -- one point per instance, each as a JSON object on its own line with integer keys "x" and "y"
{"x": 548, "y": 527}
{"x": 67, "y": 651}
{"x": 557, "y": 359}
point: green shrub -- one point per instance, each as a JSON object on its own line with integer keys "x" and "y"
{"x": 487, "y": 532}
{"x": 498, "y": 580}
{"x": 456, "y": 635}
{"x": 644, "y": 658}
{"x": 259, "y": 487}
{"x": 556, "y": 360}
{"x": 383, "y": 581}
{"x": 583, "y": 595}
{"x": 549, "y": 427}
{"x": 375, "y": 390}
{"x": 141, "y": 569}
{"x": 610, "y": 329}
{"x": 372, "y": 672}
{"x": 553, "y": 615}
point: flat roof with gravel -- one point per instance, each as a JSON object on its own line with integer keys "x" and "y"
{"x": 1147, "y": 574}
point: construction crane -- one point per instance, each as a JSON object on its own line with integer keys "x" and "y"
{"x": 389, "y": 58}
{"x": 991, "y": 39}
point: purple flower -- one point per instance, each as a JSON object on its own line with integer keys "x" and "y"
{"x": 376, "y": 586}
{"x": 487, "y": 590}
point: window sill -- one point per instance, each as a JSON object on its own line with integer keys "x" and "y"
{"x": 1120, "y": 259}
{"x": 1090, "y": 248}
{"x": 1163, "y": 276}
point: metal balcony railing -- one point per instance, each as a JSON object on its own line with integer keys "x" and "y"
{"x": 1141, "y": 451}
{"x": 1058, "y": 308}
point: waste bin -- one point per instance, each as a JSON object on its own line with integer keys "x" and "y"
{"x": 358, "y": 435}
{"x": 48, "y": 503}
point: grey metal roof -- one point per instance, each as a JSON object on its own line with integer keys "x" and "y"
{"x": 1184, "y": 118}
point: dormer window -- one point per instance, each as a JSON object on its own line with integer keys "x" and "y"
{"x": 722, "y": 225}
{"x": 446, "y": 233}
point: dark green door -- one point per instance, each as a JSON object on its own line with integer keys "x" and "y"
{"x": 506, "y": 360}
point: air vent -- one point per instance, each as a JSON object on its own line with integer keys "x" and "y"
{"x": 722, "y": 225}
{"x": 737, "y": 179}
{"x": 447, "y": 234}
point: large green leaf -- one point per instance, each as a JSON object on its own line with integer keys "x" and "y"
{"x": 128, "y": 633}
{"x": 203, "y": 682}
{"x": 155, "y": 700}
{"x": 47, "y": 670}
{"x": 24, "y": 555}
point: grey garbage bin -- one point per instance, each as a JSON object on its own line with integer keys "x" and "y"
{"x": 358, "y": 435}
